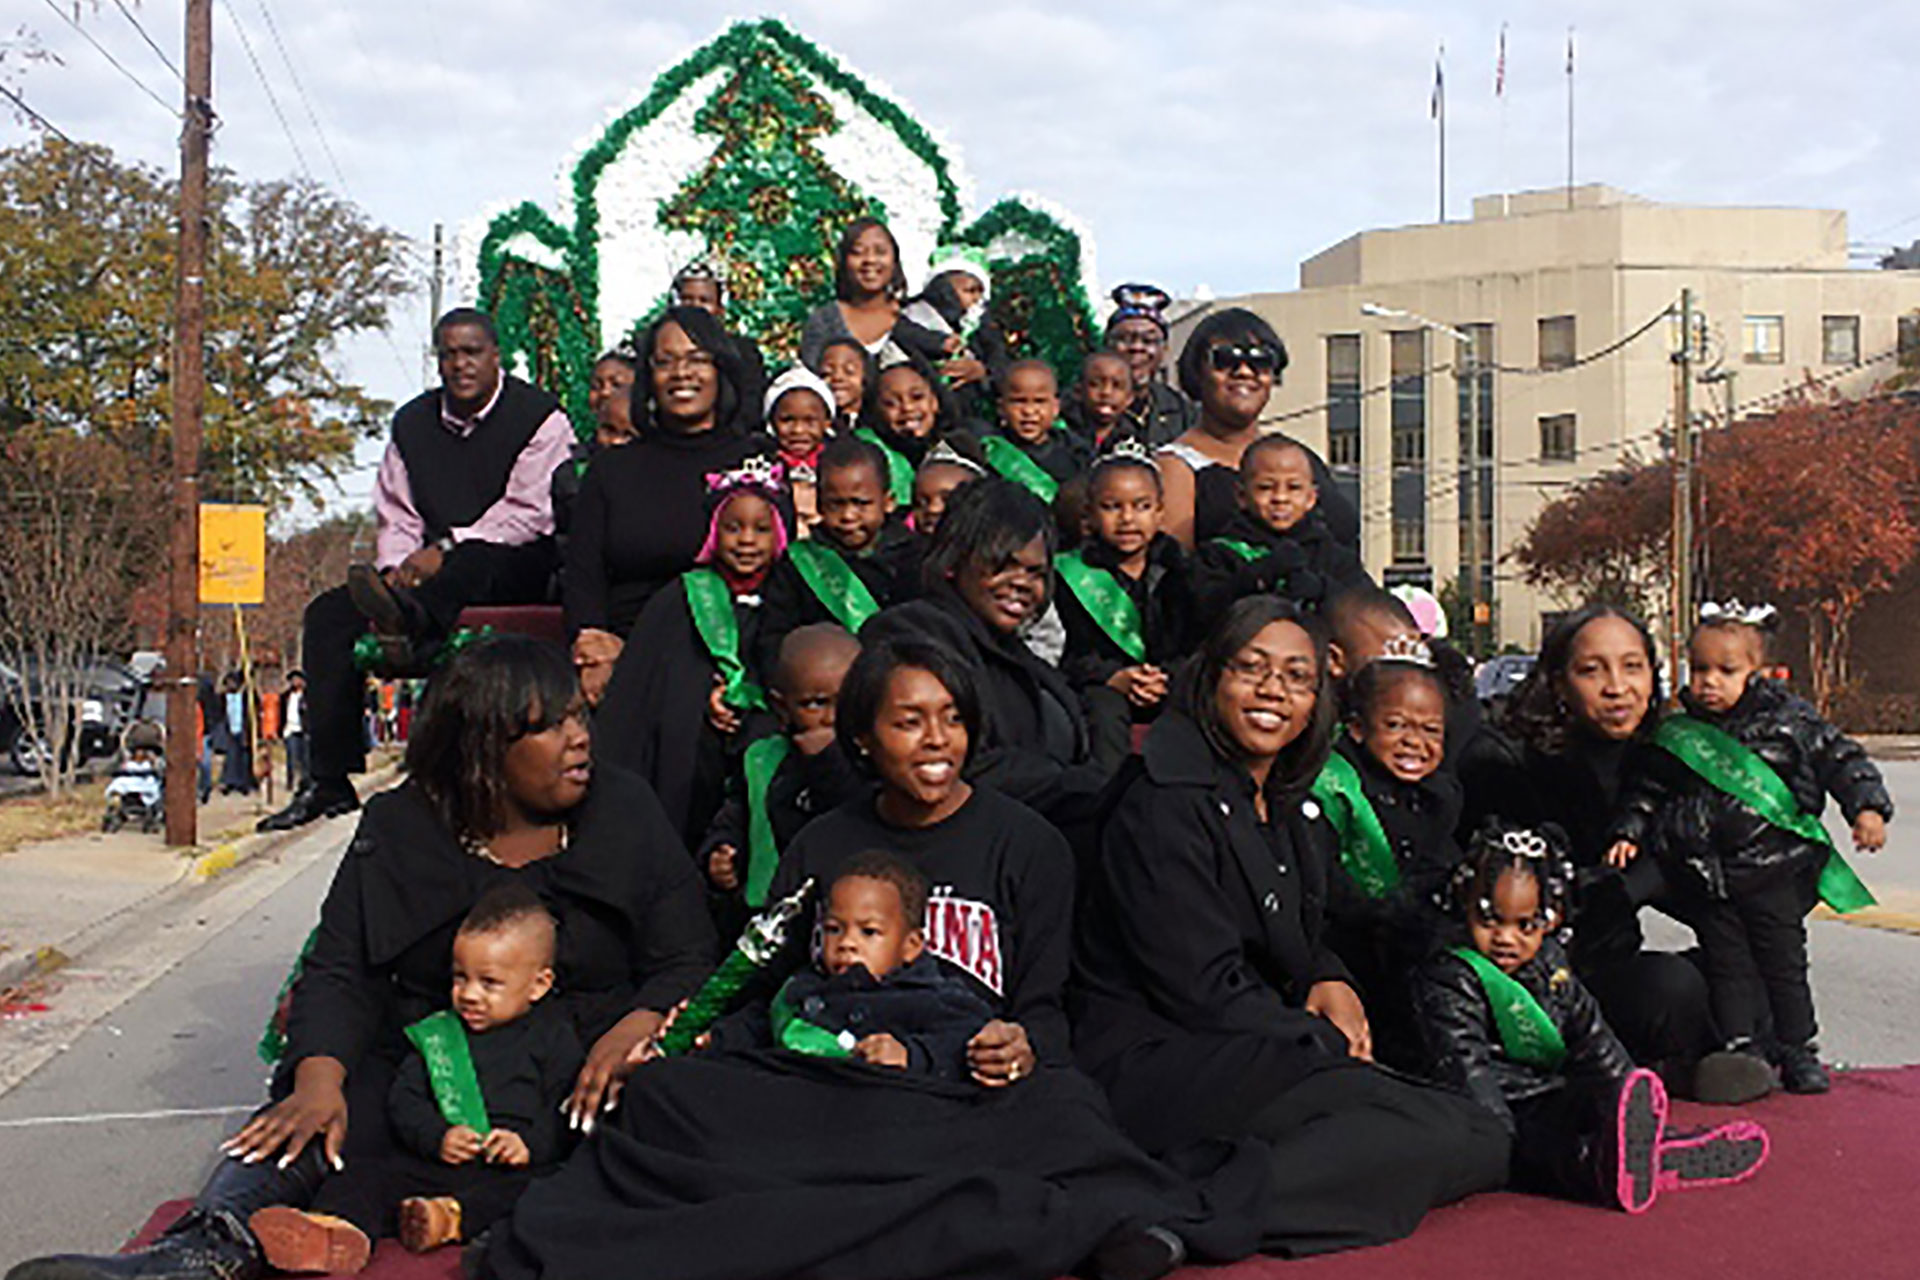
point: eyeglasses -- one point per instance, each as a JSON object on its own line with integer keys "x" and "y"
{"x": 1296, "y": 678}
{"x": 1137, "y": 338}
{"x": 691, "y": 360}
{"x": 1257, "y": 356}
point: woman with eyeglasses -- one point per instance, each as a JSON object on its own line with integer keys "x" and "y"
{"x": 987, "y": 575}
{"x": 641, "y": 516}
{"x": 1206, "y": 999}
{"x": 1231, "y": 363}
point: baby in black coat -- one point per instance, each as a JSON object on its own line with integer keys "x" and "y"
{"x": 475, "y": 1110}
{"x": 1276, "y": 543}
{"x": 1506, "y": 1020}
{"x": 877, "y": 994}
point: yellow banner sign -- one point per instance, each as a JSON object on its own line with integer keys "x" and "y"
{"x": 233, "y": 554}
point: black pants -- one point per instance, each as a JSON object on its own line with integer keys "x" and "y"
{"x": 1755, "y": 945}
{"x": 1359, "y": 1155}
{"x": 473, "y": 573}
{"x": 1656, "y": 1002}
{"x": 369, "y": 1191}
{"x": 1562, "y": 1140}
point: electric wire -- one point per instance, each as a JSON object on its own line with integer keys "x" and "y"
{"x": 119, "y": 66}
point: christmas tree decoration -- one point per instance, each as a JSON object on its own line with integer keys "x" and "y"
{"x": 754, "y": 153}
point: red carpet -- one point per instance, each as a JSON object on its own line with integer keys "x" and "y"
{"x": 1839, "y": 1197}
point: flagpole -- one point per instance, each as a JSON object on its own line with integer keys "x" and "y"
{"x": 1500, "y": 92}
{"x": 1569, "y": 117}
{"x": 1440, "y": 114}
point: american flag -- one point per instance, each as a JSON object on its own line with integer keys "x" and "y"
{"x": 1500, "y": 66}
{"x": 1439, "y": 85}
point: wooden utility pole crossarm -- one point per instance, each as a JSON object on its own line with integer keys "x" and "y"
{"x": 189, "y": 402}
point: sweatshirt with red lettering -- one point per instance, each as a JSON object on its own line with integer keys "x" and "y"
{"x": 1001, "y": 911}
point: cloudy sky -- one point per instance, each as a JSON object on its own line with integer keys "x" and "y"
{"x": 1205, "y": 143}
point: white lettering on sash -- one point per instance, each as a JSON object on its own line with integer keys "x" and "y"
{"x": 966, "y": 934}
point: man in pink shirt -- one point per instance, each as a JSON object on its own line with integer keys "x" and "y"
{"x": 465, "y": 517}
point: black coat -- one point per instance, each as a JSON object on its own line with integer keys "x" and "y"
{"x": 1464, "y": 1045}
{"x": 1062, "y": 455}
{"x": 1164, "y": 597}
{"x": 931, "y": 1013}
{"x": 526, "y": 1069}
{"x": 1305, "y": 564}
{"x": 801, "y": 789}
{"x": 1033, "y": 743}
{"x": 890, "y": 569}
{"x": 633, "y": 931}
{"x": 1198, "y": 917}
{"x": 1708, "y": 840}
{"x": 653, "y": 717}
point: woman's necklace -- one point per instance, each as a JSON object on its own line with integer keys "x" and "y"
{"x": 482, "y": 849}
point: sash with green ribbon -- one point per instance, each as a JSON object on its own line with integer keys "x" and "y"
{"x": 760, "y": 762}
{"x": 441, "y": 1039}
{"x": 791, "y": 1031}
{"x": 833, "y": 581}
{"x": 899, "y": 470}
{"x": 1729, "y": 765}
{"x": 1526, "y": 1031}
{"x": 1106, "y": 601}
{"x": 1245, "y": 550}
{"x": 1011, "y": 461}
{"x": 1365, "y": 851}
{"x": 710, "y": 601}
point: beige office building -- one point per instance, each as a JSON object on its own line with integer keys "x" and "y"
{"x": 1550, "y": 292}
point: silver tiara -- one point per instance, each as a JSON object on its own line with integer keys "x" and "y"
{"x": 1410, "y": 649}
{"x": 942, "y": 452}
{"x": 1756, "y": 615}
{"x": 1523, "y": 843}
{"x": 1130, "y": 450}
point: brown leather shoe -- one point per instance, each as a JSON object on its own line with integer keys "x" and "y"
{"x": 427, "y": 1223}
{"x": 309, "y": 1243}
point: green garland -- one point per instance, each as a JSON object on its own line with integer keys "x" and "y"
{"x": 1039, "y": 299}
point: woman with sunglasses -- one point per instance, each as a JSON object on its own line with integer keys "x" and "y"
{"x": 1207, "y": 1000}
{"x": 1230, "y": 365}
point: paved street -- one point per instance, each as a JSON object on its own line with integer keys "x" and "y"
{"x": 186, "y": 1042}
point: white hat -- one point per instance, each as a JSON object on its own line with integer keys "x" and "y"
{"x": 798, "y": 378}
{"x": 962, "y": 257}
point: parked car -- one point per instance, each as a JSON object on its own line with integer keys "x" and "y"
{"x": 1496, "y": 679}
{"x": 110, "y": 699}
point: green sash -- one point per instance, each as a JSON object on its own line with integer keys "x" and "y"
{"x": 1106, "y": 601}
{"x": 760, "y": 762}
{"x": 899, "y": 470}
{"x": 1245, "y": 550}
{"x": 711, "y": 602}
{"x": 441, "y": 1039}
{"x": 833, "y": 581}
{"x": 1365, "y": 850}
{"x": 1729, "y": 765}
{"x": 1526, "y": 1031}
{"x": 791, "y": 1031}
{"x": 273, "y": 1038}
{"x": 1006, "y": 457}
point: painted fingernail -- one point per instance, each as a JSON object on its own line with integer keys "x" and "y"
{"x": 339, "y": 1164}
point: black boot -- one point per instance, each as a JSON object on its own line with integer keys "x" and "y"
{"x": 321, "y": 798}
{"x": 1800, "y": 1069}
{"x": 212, "y": 1241}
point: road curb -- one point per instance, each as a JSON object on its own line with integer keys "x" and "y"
{"x": 199, "y": 869}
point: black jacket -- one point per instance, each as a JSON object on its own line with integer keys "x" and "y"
{"x": 526, "y": 1070}
{"x": 890, "y": 569}
{"x": 1033, "y": 742}
{"x": 932, "y": 1014}
{"x": 1062, "y": 455}
{"x": 1706, "y": 838}
{"x": 1164, "y": 597}
{"x": 1464, "y": 1044}
{"x": 1199, "y": 918}
{"x": 802, "y": 788}
{"x": 633, "y": 931}
{"x": 1304, "y": 564}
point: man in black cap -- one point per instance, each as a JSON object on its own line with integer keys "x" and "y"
{"x": 465, "y": 514}
{"x": 1137, "y": 329}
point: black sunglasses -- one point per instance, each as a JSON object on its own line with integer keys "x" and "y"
{"x": 1256, "y": 356}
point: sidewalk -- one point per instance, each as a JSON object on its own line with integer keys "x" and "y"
{"x": 59, "y": 897}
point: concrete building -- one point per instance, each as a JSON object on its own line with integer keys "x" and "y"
{"x": 1567, "y": 304}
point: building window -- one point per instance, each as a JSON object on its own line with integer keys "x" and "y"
{"x": 1907, "y": 343}
{"x": 1409, "y": 540}
{"x": 1840, "y": 339}
{"x": 1558, "y": 438}
{"x": 1766, "y": 339}
{"x": 1343, "y": 414}
{"x": 1556, "y": 342}
{"x": 1407, "y": 366}
{"x": 1473, "y": 363}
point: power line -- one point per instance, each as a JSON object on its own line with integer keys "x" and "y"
{"x": 117, "y": 64}
{"x": 35, "y": 116}
{"x": 158, "y": 51}
{"x": 293, "y": 72}
{"x": 260, "y": 74}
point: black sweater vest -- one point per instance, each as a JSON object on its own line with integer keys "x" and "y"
{"x": 454, "y": 479}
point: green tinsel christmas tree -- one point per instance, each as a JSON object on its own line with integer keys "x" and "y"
{"x": 768, "y": 204}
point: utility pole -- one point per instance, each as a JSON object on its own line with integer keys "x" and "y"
{"x": 189, "y": 391}
{"x": 1681, "y": 559}
{"x": 1477, "y": 631}
{"x": 436, "y": 297}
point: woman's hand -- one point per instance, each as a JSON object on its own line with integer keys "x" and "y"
{"x": 608, "y": 1065}
{"x": 317, "y": 1108}
{"x": 1622, "y": 852}
{"x": 1143, "y": 686}
{"x": 999, "y": 1054}
{"x": 1340, "y": 1004}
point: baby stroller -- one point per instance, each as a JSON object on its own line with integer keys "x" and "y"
{"x": 135, "y": 793}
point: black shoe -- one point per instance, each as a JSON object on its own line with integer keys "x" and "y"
{"x": 1137, "y": 1255}
{"x": 392, "y": 610}
{"x": 1800, "y": 1070}
{"x": 201, "y": 1246}
{"x": 315, "y": 800}
{"x": 1731, "y": 1076}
